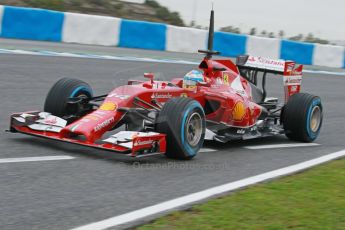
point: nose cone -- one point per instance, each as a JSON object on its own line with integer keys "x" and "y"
{"x": 93, "y": 125}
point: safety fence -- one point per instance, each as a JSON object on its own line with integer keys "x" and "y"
{"x": 47, "y": 25}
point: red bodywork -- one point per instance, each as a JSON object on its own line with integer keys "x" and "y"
{"x": 225, "y": 96}
{"x": 235, "y": 108}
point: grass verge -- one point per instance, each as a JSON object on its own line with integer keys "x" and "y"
{"x": 313, "y": 199}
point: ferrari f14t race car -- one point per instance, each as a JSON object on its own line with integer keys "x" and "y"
{"x": 222, "y": 101}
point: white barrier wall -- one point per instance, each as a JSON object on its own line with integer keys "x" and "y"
{"x": 327, "y": 55}
{"x": 183, "y": 39}
{"x": 48, "y": 25}
{"x": 1, "y": 14}
{"x": 91, "y": 29}
{"x": 263, "y": 47}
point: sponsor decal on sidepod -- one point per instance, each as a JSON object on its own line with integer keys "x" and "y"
{"x": 161, "y": 96}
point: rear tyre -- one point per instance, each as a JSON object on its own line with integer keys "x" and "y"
{"x": 183, "y": 121}
{"x": 62, "y": 90}
{"x": 302, "y": 117}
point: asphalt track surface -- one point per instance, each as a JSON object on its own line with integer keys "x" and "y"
{"x": 96, "y": 184}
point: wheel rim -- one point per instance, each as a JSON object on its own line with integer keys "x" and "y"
{"x": 72, "y": 110}
{"x": 315, "y": 119}
{"x": 194, "y": 129}
{"x": 82, "y": 95}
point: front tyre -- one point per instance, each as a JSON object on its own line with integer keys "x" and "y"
{"x": 302, "y": 118}
{"x": 56, "y": 101}
{"x": 183, "y": 121}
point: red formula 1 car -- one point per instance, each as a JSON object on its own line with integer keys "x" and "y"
{"x": 222, "y": 102}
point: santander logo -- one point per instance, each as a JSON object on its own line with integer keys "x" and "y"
{"x": 51, "y": 121}
{"x": 138, "y": 142}
{"x": 161, "y": 95}
{"x": 270, "y": 62}
{"x": 266, "y": 61}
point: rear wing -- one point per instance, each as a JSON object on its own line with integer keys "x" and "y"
{"x": 249, "y": 66}
{"x": 260, "y": 64}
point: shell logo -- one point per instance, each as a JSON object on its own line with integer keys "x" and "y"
{"x": 108, "y": 106}
{"x": 239, "y": 111}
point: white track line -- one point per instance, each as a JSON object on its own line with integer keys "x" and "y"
{"x": 206, "y": 150}
{"x": 33, "y": 159}
{"x": 196, "y": 197}
{"x": 324, "y": 72}
{"x": 276, "y": 146}
{"x": 128, "y": 58}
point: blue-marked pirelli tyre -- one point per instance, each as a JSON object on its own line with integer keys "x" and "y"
{"x": 302, "y": 117}
{"x": 59, "y": 94}
{"x": 183, "y": 121}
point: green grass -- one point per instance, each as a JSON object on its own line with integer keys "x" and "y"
{"x": 314, "y": 199}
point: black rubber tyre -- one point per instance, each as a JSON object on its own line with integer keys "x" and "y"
{"x": 302, "y": 117}
{"x": 183, "y": 121}
{"x": 56, "y": 100}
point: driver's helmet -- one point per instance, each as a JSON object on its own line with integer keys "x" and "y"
{"x": 191, "y": 79}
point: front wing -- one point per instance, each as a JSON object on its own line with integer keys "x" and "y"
{"x": 134, "y": 144}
